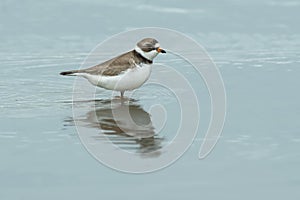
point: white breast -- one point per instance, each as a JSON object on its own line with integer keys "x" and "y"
{"x": 128, "y": 80}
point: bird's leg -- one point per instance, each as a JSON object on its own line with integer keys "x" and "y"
{"x": 122, "y": 94}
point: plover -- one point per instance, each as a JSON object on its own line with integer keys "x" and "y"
{"x": 124, "y": 72}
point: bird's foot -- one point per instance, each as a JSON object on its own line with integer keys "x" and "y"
{"x": 121, "y": 98}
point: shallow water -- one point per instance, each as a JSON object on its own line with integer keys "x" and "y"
{"x": 257, "y": 55}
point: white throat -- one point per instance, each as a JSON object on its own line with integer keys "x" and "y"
{"x": 148, "y": 55}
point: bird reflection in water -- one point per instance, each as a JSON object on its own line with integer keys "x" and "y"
{"x": 126, "y": 124}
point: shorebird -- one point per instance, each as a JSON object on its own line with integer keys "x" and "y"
{"x": 125, "y": 72}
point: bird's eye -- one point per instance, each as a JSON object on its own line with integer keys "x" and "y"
{"x": 149, "y": 49}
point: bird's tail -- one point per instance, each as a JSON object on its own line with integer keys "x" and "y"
{"x": 69, "y": 73}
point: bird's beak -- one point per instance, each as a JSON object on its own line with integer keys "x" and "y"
{"x": 160, "y": 50}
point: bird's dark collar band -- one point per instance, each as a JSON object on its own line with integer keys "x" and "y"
{"x": 144, "y": 60}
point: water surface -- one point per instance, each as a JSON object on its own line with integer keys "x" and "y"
{"x": 256, "y": 47}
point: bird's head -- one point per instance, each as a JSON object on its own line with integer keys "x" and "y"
{"x": 149, "y": 48}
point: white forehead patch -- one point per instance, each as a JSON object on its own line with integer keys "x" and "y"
{"x": 157, "y": 45}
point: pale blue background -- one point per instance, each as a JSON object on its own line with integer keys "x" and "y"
{"x": 256, "y": 45}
